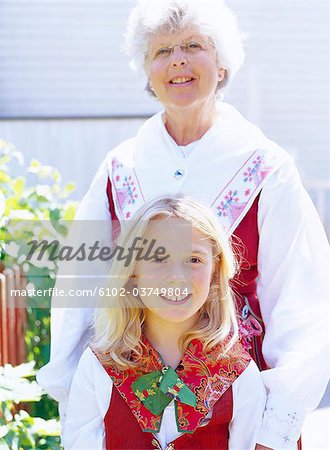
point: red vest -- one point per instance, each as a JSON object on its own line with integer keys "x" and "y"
{"x": 122, "y": 430}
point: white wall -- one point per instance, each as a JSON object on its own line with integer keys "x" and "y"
{"x": 60, "y": 61}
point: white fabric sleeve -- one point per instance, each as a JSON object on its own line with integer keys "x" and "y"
{"x": 249, "y": 398}
{"x": 293, "y": 290}
{"x": 88, "y": 404}
{"x": 70, "y": 333}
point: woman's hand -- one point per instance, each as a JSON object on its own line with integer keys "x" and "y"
{"x": 262, "y": 447}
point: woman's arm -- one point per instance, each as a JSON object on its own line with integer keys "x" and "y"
{"x": 293, "y": 290}
{"x": 249, "y": 398}
{"x": 88, "y": 403}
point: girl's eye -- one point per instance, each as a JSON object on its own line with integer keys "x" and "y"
{"x": 159, "y": 260}
{"x": 194, "y": 260}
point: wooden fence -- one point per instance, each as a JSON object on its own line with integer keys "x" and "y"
{"x": 12, "y": 316}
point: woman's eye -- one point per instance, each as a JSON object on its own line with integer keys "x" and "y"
{"x": 162, "y": 51}
{"x": 194, "y": 46}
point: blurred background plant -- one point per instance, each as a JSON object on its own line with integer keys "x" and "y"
{"x": 33, "y": 205}
{"x": 18, "y": 429}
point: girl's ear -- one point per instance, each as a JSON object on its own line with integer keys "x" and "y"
{"x": 216, "y": 266}
{"x": 132, "y": 280}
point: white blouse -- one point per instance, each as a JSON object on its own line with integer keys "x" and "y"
{"x": 90, "y": 396}
{"x": 293, "y": 265}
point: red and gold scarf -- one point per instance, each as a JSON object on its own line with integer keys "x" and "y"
{"x": 195, "y": 386}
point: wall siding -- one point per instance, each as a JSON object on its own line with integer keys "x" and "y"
{"x": 62, "y": 60}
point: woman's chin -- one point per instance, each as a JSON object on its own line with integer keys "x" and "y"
{"x": 182, "y": 100}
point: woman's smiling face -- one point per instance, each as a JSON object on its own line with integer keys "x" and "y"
{"x": 182, "y": 68}
{"x": 187, "y": 270}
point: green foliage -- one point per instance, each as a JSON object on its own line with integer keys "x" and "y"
{"x": 33, "y": 205}
{"x": 18, "y": 429}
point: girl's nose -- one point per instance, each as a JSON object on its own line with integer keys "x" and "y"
{"x": 177, "y": 274}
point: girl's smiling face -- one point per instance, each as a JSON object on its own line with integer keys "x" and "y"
{"x": 173, "y": 289}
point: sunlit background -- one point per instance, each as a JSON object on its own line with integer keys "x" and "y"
{"x": 67, "y": 95}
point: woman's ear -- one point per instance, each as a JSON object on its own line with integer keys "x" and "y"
{"x": 150, "y": 89}
{"x": 221, "y": 74}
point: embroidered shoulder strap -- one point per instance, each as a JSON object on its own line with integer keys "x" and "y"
{"x": 127, "y": 190}
{"x": 236, "y": 198}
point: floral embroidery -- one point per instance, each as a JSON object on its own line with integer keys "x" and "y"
{"x": 205, "y": 376}
{"x": 248, "y": 329}
{"x": 128, "y": 193}
{"x": 249, "y": 325}
{"x": 229, "y": 201}
{"x": 255, "y": 173}
{"x": 233, "y": 200}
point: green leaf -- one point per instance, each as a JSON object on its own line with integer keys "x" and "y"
{"x": 55, "y": 216}
{"x": 70, "y": 211}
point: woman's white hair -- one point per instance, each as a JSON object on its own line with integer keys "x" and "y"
{"x": 211, "y": 17}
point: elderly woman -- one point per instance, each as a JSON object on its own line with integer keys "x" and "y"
{"x": 189, "y": 51}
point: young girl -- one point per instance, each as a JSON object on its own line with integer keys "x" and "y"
{"x": 165, "y": 369}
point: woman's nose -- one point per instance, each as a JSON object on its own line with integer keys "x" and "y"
{"x": 178, "y": 57}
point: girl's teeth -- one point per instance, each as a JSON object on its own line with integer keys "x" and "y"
{"x": 176, "y": 299}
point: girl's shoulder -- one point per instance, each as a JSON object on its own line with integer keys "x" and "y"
{"x": 91, "y": 376}
{"x": 89, "y": 362}
{"x": 88, "y": 357}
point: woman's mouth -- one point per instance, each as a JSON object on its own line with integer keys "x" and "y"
{"x": 181, "y": 80}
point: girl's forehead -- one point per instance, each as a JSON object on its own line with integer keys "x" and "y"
{"x": 175, "y": 233}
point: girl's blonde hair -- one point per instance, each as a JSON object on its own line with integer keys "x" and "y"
{"x": 118, "y": 320}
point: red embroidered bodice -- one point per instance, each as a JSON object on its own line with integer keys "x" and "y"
{"x": 209, "y": 375}
{"x": 124, "y": 432}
